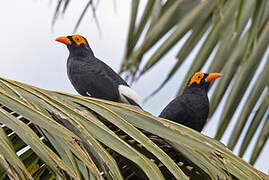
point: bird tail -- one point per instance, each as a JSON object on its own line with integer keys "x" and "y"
{"x": 132, "y": 102}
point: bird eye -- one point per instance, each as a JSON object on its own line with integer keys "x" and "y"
{"x": 77, "y": 39}
{"x": 198, "y": 77}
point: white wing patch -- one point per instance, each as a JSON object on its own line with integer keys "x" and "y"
{"x": 128, "y": 92}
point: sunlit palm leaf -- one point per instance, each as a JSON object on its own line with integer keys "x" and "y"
{"x": 81, "y": 137}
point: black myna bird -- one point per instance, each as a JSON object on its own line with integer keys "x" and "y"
{"x": 192, "y": 107}
{"x": 91, "y": 76}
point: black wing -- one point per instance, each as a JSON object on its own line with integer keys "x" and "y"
{"x": 96, "y": 84}
{"x": 187, "y": 110}
{"x": 175, "y": 111}
{"x": 117, "y": 79}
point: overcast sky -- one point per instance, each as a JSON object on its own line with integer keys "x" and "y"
{"x": 30, "y": 54}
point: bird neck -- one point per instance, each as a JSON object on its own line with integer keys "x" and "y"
{"x": 202, "y": 90}
{"x": 81, "y": 52}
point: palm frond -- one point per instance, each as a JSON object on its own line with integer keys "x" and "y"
{"x": 46, "y": 134}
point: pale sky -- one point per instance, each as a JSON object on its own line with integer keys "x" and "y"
{"x": 30, "y": 54}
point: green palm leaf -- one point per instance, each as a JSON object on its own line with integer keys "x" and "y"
{"x": 87, "y": 138}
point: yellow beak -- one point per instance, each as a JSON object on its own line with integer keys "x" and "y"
{"x": 64, "y": 40}
{"x": 212, "y": 76}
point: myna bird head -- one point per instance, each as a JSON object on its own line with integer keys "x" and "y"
{"x": 75, "y": 43}
{"x": 202, "y": 80}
